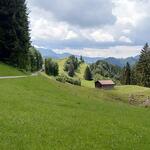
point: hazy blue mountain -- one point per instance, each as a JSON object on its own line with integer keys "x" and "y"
{"x": 122, "y": 61}
{"x": 115, "y": 61}
{"x": 49, "y": 53}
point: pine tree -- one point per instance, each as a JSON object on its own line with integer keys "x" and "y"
{"x": 143, "y": 67}
{"x": 81, "y": 59}
{"x": 71, "y": 71}
{"x": 87, "y": 74}
{"x": 134, "y": 77}
{"x": 126, "y": 75}
{"x": 22, "y": 31}
{"x": 14, "y": 33}
{"x": 8, "y": 37}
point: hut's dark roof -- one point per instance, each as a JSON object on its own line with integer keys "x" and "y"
{"x": 106, "y": 82}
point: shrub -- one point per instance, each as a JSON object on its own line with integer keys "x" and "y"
{"x": 51, "y": 67}
{"x": 71, "y": 65}
{"x": 71, "y": 71}
{"x": 64, "y": 79}
{"x": 61, "y": 78}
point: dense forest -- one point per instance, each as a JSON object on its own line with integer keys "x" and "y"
{"x": 15, "y": 44}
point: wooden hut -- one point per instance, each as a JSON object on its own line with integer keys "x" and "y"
{"x": 104, "y": 84}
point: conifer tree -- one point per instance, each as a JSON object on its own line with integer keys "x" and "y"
{"x": 8, "y": 37}
{"x": 87, "y": 74}
{"x": 126, "y": 75}
{"x": 14, "y": 33}
{"x": 143, "y": 67}
{"x": 71, "y": 71}
{"x": 81, "y": 59}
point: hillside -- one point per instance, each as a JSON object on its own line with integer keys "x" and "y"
{"x": 79, "y": 73}
{"x": 6, "y": 70}
{"x": 102, "y": 68}
{"x": 38, "y": 113}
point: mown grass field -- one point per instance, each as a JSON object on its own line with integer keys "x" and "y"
{"x": 39, "y": 113}
{"x": 6, "y": 70}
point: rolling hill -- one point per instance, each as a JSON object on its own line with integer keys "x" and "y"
{"x": 104, "y": 69}
{"x": 39, "y": 113}
{"x": 78, "y": 75}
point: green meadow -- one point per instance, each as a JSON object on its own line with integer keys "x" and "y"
{"x": 40, "y": 113}
{"x": 6, "y": 70}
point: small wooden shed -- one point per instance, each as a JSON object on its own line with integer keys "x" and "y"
{"x": 104, "y": 84}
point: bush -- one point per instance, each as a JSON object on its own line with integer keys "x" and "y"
{"x": 71, "y": 71}
{"x": 64, "y": 79}
{"x": 71, "y": 65}
{"x": 61, "y": 78}
{"x": 51, "y": 67}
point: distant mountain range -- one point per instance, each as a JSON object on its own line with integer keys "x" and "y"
{"x": 115, "y": 61}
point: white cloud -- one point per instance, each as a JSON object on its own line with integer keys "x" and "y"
{"x": 90, "y": 23}
{"x": 118, "y": 51}
{"x": 128, "y": 12}
{"x": 71, "y": 35}
{"x": 83, "y": 13}
{"x": 101, "y": 36}
{"x": 125, "y": 39}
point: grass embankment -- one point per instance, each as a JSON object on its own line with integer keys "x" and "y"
{"x": 6, "y": 70}
{"x": 38, "y": 113}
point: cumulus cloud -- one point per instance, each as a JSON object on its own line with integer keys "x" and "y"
{"x": 83, "y": 13}
{"x": 90, "y": 24}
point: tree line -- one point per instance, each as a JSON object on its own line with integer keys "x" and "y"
{"x": 15, "y": 44}
{"x": 139, "y": 74}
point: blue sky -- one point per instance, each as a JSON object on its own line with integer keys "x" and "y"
{"x": 96, "y": 28}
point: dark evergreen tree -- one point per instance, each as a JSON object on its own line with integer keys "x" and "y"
{"x": 14, "y": 33}
{"x": 71, "y": 71}
{"x": 8, "y": 37}
{"x": 126, "y": 75}
{"x": 134, "y": 77}
{"x": 143, "y": 67}
{"x": 51, "y": 67}
{"x": 81, "y": 59}
{"x": 87, "y": 74}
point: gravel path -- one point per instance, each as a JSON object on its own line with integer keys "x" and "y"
{"x": 15, "y": 77}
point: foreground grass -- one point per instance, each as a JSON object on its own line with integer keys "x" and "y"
{"x": 38, "y": 113}
{"x": 6, "y": 70}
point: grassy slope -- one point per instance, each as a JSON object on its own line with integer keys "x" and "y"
{"x": 79, "y": 73}
{"x": 6, "y": 70}
{"x": 38, "y": 113}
